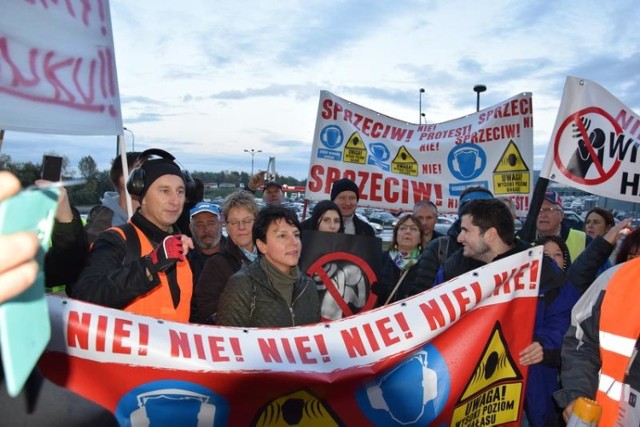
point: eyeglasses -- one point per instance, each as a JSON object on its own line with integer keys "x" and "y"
{"x": 245, "y": 221}
{"x": 409, "y": 228}
{"x": 548, "y": 210}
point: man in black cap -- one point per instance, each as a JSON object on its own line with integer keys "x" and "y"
{"x": 141, "y": 266}
{"x": 272, "y": 193}
{"x": 345, "y": 194}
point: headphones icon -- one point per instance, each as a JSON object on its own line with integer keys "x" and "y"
{"x": 137, "y": 182}
{"x": 429, "y": 384}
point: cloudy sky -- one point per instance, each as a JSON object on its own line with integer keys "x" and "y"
{"x": 206, "y": 80}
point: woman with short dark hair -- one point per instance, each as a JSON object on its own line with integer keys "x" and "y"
{"x": 271, "y": 292}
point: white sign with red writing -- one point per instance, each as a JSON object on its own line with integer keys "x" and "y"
{"x": 442, "y": 346}
{"x": 107, "y": 335}
{"x": 396, "y": 164}
{"x": 57, "y": 68}
{"x": 594, "y": 144}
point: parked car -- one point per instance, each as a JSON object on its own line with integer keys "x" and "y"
{"x": 573, "y": 220}
{"x": 383, "y": 218}
{"x": 377, "y": 228}
{"x": 443, "y": 224}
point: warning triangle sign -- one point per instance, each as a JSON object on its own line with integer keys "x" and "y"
{"x": 511, "y": 160}
{"x": 495, "y": 365}
{"x": 404, "y": 163}
{"x": 355, "y": 142}
{"x": 354, "y": 150}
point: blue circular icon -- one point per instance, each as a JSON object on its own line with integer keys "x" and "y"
{"x": 413, "y": 392}
{"x": 172, "y": 403}
{"x": 379, "y": 151}
{"x": 467, "y": 161}
{"x": 331, "y": 136}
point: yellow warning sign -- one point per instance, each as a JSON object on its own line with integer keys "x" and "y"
{"x": 511, "y": 160}
{"x": 498, "y": 405}
{"x": 511, "y": 174}
{"x": 354, "y": 150}
{"x": 403, "y": 163}
{"x": 297, "y": 408}
{"x": 494, "y": 392}
{"x": 496, "y": 364}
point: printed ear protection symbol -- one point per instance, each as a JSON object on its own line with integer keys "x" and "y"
{"x": 429, "y": 388}
{"x": 136, "y": 183}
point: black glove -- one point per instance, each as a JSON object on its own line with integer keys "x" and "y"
{"x": 166, "y": 255}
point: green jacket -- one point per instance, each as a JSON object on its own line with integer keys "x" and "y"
{"x": 250, "y": 300}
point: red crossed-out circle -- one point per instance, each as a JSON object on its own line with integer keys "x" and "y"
{"x": 576, "y": 120}
{"x": 317, "y": 268}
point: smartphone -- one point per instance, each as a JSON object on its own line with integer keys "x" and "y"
{"x": 51, "y": 168}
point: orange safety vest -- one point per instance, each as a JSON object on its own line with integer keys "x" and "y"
{"x": 619, "y": 331}
{"x": 158, "y": 302}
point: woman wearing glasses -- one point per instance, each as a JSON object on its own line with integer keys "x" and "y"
{"x": 240, "y": 211}
{"x": 399, "y": 269}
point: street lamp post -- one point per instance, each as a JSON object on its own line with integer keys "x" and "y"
{"x": 133, "y": 138}
{"x": 420, "y": 105}
{"x": 253, "y": 153}
{"x": 479, "y": 89}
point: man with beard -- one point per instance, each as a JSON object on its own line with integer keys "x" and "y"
{"x": 487, "y": 233}
{"x": 207, "y": 236}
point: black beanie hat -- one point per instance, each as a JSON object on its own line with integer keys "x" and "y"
{"x": 155, "y": 168}
{"x": 344, "y": 184}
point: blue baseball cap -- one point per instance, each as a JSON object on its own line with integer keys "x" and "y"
{"x": 204, "y": 207}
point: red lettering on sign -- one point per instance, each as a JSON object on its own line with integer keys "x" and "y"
{"x": 78, "y": 327}
{"x": 304, "y": 349}
{"x": 216, "y": 348}
{"x": 374, "y": 186}
{"x": 101, "y": 333}
{"x": 461, "y": 299}
{"x": 179, "y": 344}
{"x": 60, "y": 83}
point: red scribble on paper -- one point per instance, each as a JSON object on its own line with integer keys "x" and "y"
{"x": 51, "y": 77}
{"x": 78, "y": 9}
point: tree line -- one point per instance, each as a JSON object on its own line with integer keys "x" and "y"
{"x": 97, "y": 181}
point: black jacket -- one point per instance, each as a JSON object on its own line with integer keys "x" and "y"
{"x": 434, "y": 255}
{"x": 585, "y": 269}
{"x": 213, "y": 278}
{"x": 68, "y": 253}
{"x": 250, "y": 300}
{"x": 197, "y": 259}
{"x": 362, "y": 228}
{"x": 389, "y": 276}
{"x": 110, "y": 279}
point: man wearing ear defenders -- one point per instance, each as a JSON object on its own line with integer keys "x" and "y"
{"x": 141, "y": 266}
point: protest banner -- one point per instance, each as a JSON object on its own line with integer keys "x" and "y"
{"x": 447, "y": 356}
{"x": 594, "y": 144}
{"x": 57, "y": 59}
{"x": 395, "y": 163}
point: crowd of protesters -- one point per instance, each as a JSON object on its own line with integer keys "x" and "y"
{"x": 170, "y": 260}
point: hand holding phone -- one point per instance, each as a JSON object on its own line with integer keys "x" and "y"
{"x": 51, "y": 168}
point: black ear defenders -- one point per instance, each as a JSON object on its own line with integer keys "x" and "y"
{"x": 137, "y": 181}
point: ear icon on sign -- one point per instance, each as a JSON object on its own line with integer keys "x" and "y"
{"x": 581, "y": 160}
